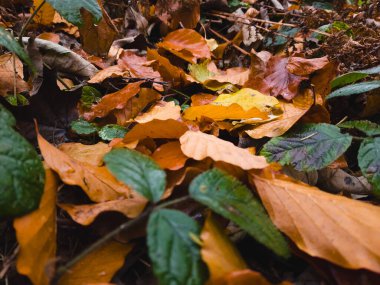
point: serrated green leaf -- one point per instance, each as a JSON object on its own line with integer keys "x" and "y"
{"x": 70, "y": 9}
{"x": 175, "y": 256}
{"x": 9, "y": 42}
{"x": 347, "y": 78}
{"x": 89, "y": 96}
{"x": 367, "y": 127}
{"x": 109, "y": 132}
{"x": 138, "y": 171}
{"x": 308, "y": 147}
{"x": 357, "y": 88}
{"x": 228, "y": 197}
{"x": 82, "y": 127}
{"x": 369, "y": 161}
{"x": 22, "y": 175}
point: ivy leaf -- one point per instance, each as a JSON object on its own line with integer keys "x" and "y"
{"x": 369, "y": 161}
{"x": 111, "y": 131}
{"x": 138, "y": 171}
{"x": 308, "y": 147}
{"x": 357, "y": 88}
{"x": 367, "y": 127}
{"x": 70, "y": 9}
{"x": 228, "y": 197}
{"x": 82, "y": 127}
{"x": 9, "y": 42}
{"x": 22, "y": 175}
{"x": 175, "y": 256}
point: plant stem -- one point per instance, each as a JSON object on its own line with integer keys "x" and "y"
{"x": 23, "y": 29}
{"x": 62, "y": 269}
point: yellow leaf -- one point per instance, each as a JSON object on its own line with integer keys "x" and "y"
{"x": 99, "y": 266}
{"x": 161, "y": 111}
{"x": 341, "y": 230}
{"x": 92, "y": 154}
{"x": 45, "y": 15}
{"x": 198, "y": 146}
{"x": 36, "y": 235}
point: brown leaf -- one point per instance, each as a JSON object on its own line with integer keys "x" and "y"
{"x": 186, "y": 44}
{"x": 112, "y": 101}
{"x": 109, "y": 72}
{"x": 156, "y": 129}
{"x": 175, "y": 12}
{"x": 170, "y": 156}
{"x": 45, "y": 15}
{"x": 202, "y": 99}
{"x": 303, "y": 66}
{"x": 97, "y": 182}
{"x": 50, "y": 37}
{"x": 198, "y": 146}
{"x": 86, "y": 214}
{"x": 161, "y": 111}
{"x": 292, "y": 113}
{"x": 92, "y": 154}
{"x": 7, "y": 74}
{"x": 321, "y": 224}
{"x": 36, "y": 234}
{"x": 249, "y": 277}
{"x": 98, "y": 266}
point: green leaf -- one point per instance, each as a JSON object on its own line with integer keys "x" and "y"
{"x": 367, "y": 127}
{"x": 308, "y": 147}
{"x": 200, "y": 71}
{"x": 109, "y": 132}
{"x": 228, "y": 197}
{"x": 369, "y": 162}
{"x": 82, "y": 127}
{"x": 354, "y": 76}
{"x": 22, "y": 175}
{"x": 175, "y": 256}
{"x": 17, "y": 100}
{"x": 9, "y": 42}
{"x": 357, "y": 88}
{"x": 89, "y": 96}
{"x": 70, "y": 9}
{"x": 138, "y": 171}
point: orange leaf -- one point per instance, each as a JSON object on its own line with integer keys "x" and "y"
{"x": 292, "y": 113}
{"x": 86, "y": 214}
{"x": 170, "y": 156}
{"x": 186, "y": 44}
{"x": 161, "y": 111}
{"x": 202, "y": 99}
{"x": 50, "y": 37}
{"x": 341, "y": 230}
{"x": 92, "y": 154}
{"x": 198, "y": 146}
{"x": 218, "y": 252}
{"x": 174, "y": 12}
{"x": 220, "y": 113}
{"x": 99, "y": 266}
{"x": 97, "y": 182}
{"x": 156, "y": 129}
{"x": 248, "y": 277}
{"x": 45, "y": 15}
{"x": 303, "y": 66}
{"x": 36, "y": 234}
{"x": 109, "y": 72}
{"x": 7, "y": 76}
{"x": 112, "y": 101}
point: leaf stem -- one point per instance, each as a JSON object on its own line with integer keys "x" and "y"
{"x": 23, "y": 29}
{"x": 62, "y": 269}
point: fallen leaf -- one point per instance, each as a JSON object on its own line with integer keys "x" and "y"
{"x": 302, "y": 66}
{"x": 7, "y": 74}
{"x": 155, "y": 129}
{"x": 198, "y": 146}
{"x": 97, "y": 182}
{"x": 249, "y": 277}
{"x": 109, "y": 72}
{"x": 321, "y": 224}
{"x": 37, "y": 231}
{"x": 112, "y": 101}
{"x": 170, "y": 156}
{"x": 186, "y": 44}
{"x": 86, "y": 214}
{"x": 175, "y": 12}
{"x": 45, "y": 15}
{"x": 161, "y": 111}
{"x": 92, "y": 154}
{"x": 218, "y": 252}
{"x": 50, "y": 37}
{"x": 202, "y": 99}
{"x": 98, "y": 266}
{"x": 292, "y": 113}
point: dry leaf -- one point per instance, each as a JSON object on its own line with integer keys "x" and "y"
{"x": 186, "y": 44}
{"x": 175, "y": 12}
{"x": 156, "y": 129}
{"x": 248, "y": 277}
{"x": 109, "y": 72}
{"x": 303, "y": 66}
{"x": 161, "y": 111}
{"x": 170, "y": 156}
{"x": 50, "y": 37}
{"x": 202, "y": 99}
{"x": 36, "y": 234}
{"x": 97, "y": 182}
{"x": 91, "y": 154}
{"x": 198, "y": 146}
{"x": 7, "y": 76}
{"x": 292, "y": 113}
{"x": 86, "y": 214}
{"x": 45, "y": 15}
{"x": 112, "y": 101}
{"x": 340, "y": 230}
{"x": 98, "y": 266}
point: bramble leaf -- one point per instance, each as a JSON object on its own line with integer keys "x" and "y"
{"x": 369, "y": 161}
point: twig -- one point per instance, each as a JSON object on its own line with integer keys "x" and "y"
{"x": 61, "y": 270}
{"x": 23, "y": 29}
{"x": 230, "y": 42}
